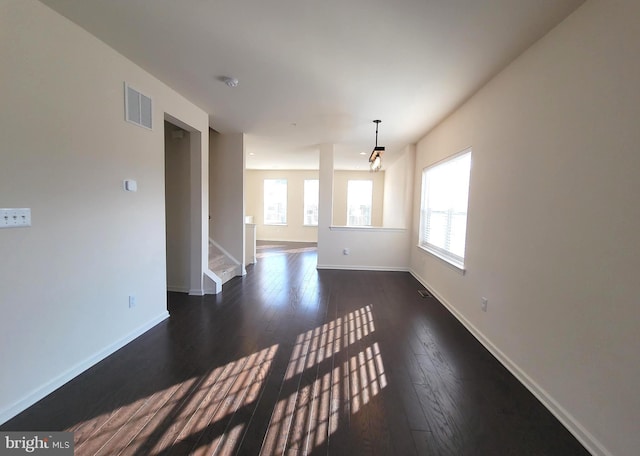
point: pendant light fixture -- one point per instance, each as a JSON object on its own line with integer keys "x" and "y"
{"x": 375, "y": 159}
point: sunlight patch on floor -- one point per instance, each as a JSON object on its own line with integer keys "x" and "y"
{"x": 312, "y": 412}
{"x": 186, "y": 415}
{"x": 334, "y": 370}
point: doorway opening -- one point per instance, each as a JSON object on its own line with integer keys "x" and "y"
{"x": 177, "y": 161}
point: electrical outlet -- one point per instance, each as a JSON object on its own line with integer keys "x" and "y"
{"x": 484, "y": 304}
{"x": 132, "y": 302}
{"x": 345, "y": 251}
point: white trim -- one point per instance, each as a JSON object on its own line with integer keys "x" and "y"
{"x": 52, "y": 385}
{"x": 578, "y": 430}
{"x": 196, "y": 292}
{"x": 448, "y": 158}
{"x": 362, "y": 268}
{"x": 372, "y": 229}
{"x": 211, "y": 277}
{"x": 452, "y": 264}
{"x": 177, "y": 289}
{"x": 219, "y": 247}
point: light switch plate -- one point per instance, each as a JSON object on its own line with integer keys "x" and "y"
{"x": 15, "y": 217}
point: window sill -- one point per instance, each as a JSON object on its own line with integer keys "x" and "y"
{"x": 276, "y": 224}
{"x": 448, "y": 262}
{"x": 310, "y": 226}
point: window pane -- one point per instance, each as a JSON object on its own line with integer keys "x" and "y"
{"x": 311, "y": 198}
{"x": 359, "y": 201}
{"x": 443, "y": 215}
{"x": 437, "y": 228}
{"x": 275, "y": 201}
{"x": 458, "y": 234}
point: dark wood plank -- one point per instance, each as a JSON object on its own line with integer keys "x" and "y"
{"x": 289, "y": 359}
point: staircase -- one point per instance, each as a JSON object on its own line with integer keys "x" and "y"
{"x": 222, "y": 265}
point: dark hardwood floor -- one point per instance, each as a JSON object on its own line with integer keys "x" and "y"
{"x": 291, "y": 360}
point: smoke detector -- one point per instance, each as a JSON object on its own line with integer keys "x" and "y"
{"x": 231, "y": 82}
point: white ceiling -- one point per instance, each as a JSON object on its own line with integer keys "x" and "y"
{"x": 320, "y": 71}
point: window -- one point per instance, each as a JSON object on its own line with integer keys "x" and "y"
{"x": 311, "y": 198}
{"x": 359, "y": 198}
{"x": 275, "y": 201}
{"x": 443, "y": 211}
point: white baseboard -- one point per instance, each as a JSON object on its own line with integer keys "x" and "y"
{"x": 362, "y": 268}
{"x": 178, "y": 289}
{"x": 69, "y": 374}
{"x": 580, "y": 432}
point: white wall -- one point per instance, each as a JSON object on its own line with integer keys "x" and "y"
{"x": 65, "y": 282}
{"x": 340, "y": 184}
{"x": 370, "y": 248}
{"x": 375, "y": 248}
{"x": 398, "y": 190}
{"x": 226, "y": 191}
{"x": 177, "y": 208}
{"x": 552, "y": 238}
{"x": 294, "y": 230}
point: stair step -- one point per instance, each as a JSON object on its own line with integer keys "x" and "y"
{"x": 216, "y": 263}
{"x": 221, "y": 265}
{"x": 226, "y": 274}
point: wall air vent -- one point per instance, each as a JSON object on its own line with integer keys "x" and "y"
{"x": 137, "y": 107}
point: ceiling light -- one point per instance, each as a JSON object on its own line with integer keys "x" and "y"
{"x": 375, "y": 159}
